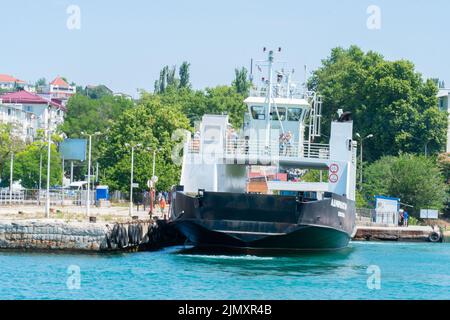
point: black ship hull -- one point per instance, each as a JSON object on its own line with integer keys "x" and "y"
{"x": 263, "y": 222}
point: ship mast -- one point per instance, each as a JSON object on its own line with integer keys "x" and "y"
{"x": 269, "y": 97}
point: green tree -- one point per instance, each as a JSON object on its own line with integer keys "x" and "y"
{"x": 97, "y": 92}
{"x": 41, "y": 82}
{"x": 225, "y": 100}
{"x": 167, "y": 79}
{"x": 416, "y": 180}
{"x": 388, "y": 99}
{"x": 91, "y": 115}
{"x": 88, "y": 115}
{"x": 241, "y": 82}
{"x": 9, "y": 142}
{"x": 26, "y": 166}
{"x": 150, "y": 124}
{"x": 184, "y": 75}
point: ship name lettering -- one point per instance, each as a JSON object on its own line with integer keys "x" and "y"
{"x": 338, "y": 204}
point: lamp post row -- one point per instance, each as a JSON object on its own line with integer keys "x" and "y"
{"x": 88, "y": 200}
{"x": 133, "y": 147}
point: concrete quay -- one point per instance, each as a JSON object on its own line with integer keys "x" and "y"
{"x": 69, "y": 229}
{"x": 407, "y": 234}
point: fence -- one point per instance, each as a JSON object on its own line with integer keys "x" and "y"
{"x": 38, "y": 197}
{"x": 374, "y": 217}
{"x": 139, "y": 198}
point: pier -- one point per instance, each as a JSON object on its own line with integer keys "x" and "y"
{"x": 35, "y": 235}
{"x": 411, "y": 233}
{"x": 109, "y": 231}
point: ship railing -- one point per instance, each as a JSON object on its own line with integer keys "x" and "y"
{"x": 243, "y": 147}
{"x": 279, "y": 91}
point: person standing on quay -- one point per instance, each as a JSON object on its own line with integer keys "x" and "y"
{"x": 400, "y": 220}
{"x": 162, "y": 205}
{"x": 405, "y": 218}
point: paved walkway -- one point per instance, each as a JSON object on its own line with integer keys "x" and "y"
{"x": 76, "y": 213}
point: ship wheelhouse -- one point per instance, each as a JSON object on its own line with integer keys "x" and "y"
{"x": 286, "y": 115}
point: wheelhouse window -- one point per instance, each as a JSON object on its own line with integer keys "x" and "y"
{"x": 258, "y": 112}
{"x": 281, "y": 113}
{"x": 294, "y": 114}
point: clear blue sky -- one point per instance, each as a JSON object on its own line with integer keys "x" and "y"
{"x": 124, "y": 44}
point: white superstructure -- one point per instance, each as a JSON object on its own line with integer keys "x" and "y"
{"x": 282, "y": 121}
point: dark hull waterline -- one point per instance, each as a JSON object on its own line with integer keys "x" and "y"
{"x": 246, "y": 222}
{"x": 305, "y": 238}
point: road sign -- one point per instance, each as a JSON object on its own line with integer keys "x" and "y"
{"x": 429, "y": 214}
{"x": 135, "y": 185}
{"x": 334, "y": 168}
{"x": 150, "y": 184}
{"x": 73, "y": 149}
{"x": 333, "y": 178}
{"x": 155, "y": 179}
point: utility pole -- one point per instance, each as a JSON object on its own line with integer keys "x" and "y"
{"x": 47, "y": 200}
{"x": 132, "y": 175}
{"x": 62, "y": 183}
{"x": 88, "y": 196}
{"x": 131, "y": 184}
{"x": 361, "y": 157}
{"x": 40, "y": 176}
{"x": 154, "y": 162}
{"x": 71, "y": 171}
{"x": 11, "y": 177}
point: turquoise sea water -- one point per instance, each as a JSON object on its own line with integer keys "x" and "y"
{"x": 407, "y": 271}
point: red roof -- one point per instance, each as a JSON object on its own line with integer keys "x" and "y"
{"x": 60, "y": 82}
{"x": 28, "y": 98}
{"x": 8, "y": 78}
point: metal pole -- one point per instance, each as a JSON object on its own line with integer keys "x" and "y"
{"x": 71, "y": 171}
{"x": 40, "y": 177}
{"x": 62, "y": 183}
{"x": 96, "y": 173}
{"x": 47, "y": 200}
{"x": 11, "y": 177}
{"x": 152, "y": 190}
{"x": 131, "y": 182}
{"x": 269, "y": 107}
{"x": 88, "y": 200}
{"x": 361, "y": 164}
{"x": 154, "y": 162}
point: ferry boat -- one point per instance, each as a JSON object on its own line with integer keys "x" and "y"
{"x": 215, "y": 207}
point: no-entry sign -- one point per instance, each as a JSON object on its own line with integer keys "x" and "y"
{"x": 333, "y": 178}
{"x": 334, "y": 168}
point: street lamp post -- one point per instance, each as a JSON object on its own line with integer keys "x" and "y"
{"x": 132, "y": 174}
{"x": 152, "y": 179}
{"x": 11, "y": 177}
{"x": 47, "y": 199}
{"x": 154, "y": 163}
{"x": 40, "y": 176}
{"x": 88, "y": 194}
{"x": 361, "y": 157}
